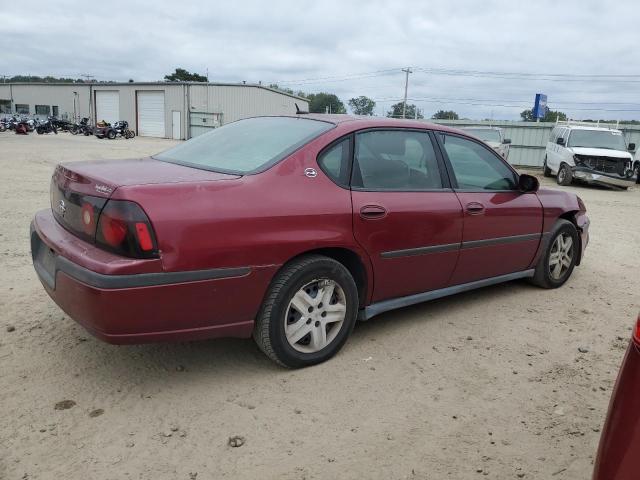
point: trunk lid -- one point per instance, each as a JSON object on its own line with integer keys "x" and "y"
{"x": 80, "y": 190}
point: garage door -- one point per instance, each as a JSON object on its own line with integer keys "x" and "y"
{"x": 107, "y": 106}
{"x": 151, "y": 114}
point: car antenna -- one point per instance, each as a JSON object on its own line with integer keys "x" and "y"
{"x": 298, "y": 111}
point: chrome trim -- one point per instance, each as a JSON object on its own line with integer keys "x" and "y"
{"x": 391, "y": 304}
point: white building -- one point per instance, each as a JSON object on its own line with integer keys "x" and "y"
{"x": 177, "y": 110}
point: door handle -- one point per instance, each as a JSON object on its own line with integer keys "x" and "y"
{"x": 475, "y": 208}
{"x": 373, "y": 212}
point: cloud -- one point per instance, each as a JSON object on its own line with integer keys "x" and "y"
{"x": 289, "y": 41}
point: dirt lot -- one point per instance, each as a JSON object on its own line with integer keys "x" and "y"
{"x": 488, "y": 384}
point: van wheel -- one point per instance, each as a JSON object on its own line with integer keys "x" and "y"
{"x": 308, "y": 313}
{"x": 559, "y": 257}
{"x": 565, "y": 176}
{"x": 546, "y": 171}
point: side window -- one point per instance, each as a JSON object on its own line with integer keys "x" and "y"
{"x": 554, "y": 135}
{"x": 399, "y": 160}
{"x": 475, "y": 167}
{"x": 335, "y": 162}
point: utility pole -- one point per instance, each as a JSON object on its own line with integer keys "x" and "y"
{"x": 407, "y": 71}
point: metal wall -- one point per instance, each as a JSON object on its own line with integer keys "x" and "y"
{"x": 227, "y": 102}
{"x": 529, "y": 139}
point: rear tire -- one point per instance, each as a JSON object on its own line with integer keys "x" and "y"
{"x": 308, "y": 313}
{"x": 565, "y": 175}
{"x": 546, "y": 171}
{"x": 111, "y": 134}
{"x": 559, "y": 257}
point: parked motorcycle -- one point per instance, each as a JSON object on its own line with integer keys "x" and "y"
{"x": 47, "y": 127}
{"x": 109, "y": 131}
{"x": 81, "y": 127}
{"x": 21, "y": 127}
{"x": 63, "y": 125}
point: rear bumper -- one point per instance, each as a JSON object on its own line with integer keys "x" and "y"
{"x": 591, "y": 176}
{"x": 145, "y": 307}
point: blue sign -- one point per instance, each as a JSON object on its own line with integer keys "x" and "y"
{"x": 540, "y": 106}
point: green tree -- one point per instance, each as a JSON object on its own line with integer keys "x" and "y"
{"x": 550, "y": 116}
{"x": 411, "y": 111}
{"x": 325, "y": 102}
{"x": 362, "y": 105}
{"x": 182, "y": 75}
{"x": 445, "y": 115}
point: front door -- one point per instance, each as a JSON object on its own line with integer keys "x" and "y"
{"x": 405, "y": 215}
{"x": 502, "y": 226}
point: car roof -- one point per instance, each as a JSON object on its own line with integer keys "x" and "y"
{"x": 357, "y": 122}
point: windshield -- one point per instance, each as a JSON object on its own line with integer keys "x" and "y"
{"x": 597, "y": 139}
{"x": 246, "y": 146}
{"x": 485, "y": 134}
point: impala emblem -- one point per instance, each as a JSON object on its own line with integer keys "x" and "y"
{"x": 311, "y": 172}
{"x": 62, "y": 207}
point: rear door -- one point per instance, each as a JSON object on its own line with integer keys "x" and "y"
{"x": 405, "y": 214}
{"x": 502, "y": 226}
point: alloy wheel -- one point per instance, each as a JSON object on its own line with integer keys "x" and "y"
{"x": 561, "y": 256}
{"x": 315, "y": 315}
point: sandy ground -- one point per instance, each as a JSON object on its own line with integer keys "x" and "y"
{"x": 488, "y": 384}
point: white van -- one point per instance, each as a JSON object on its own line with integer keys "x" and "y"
{"x": 589, "y": 153}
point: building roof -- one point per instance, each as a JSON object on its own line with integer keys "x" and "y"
{"x": 120, "y": 84}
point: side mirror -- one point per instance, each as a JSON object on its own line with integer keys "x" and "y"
{"x": 506, "y": 141}
{"x": 528, "y": 183}
{"x": 632, "y": 147}
{"x": 560, "y": 141}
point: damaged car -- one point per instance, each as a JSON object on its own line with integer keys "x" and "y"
{"x": 591, "y": 154}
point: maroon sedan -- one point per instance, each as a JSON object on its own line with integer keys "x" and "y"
{"x": 619, "y": 453}
{"x": 291, "y": 228}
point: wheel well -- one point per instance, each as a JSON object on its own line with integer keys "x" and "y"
{"x": 571, "y": 217}
{"x": 351, "y": 260}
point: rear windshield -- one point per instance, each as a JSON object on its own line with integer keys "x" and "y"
{"x": 246, "y": 146}
{"x": 485, "y": 134}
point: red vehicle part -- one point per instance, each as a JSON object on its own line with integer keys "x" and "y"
{"x": 619, "y": 451}
{"x": 220, "y": 238}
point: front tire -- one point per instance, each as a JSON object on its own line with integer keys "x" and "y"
{"x": 111, "y": 135}
{"x": 559, "y": 257}
{"x": 308, "y": 313}
{"x": 565, "y": 175}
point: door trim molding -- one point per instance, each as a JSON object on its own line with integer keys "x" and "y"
{"x": 446, "y": 247}
{"x": 391, "y": 304}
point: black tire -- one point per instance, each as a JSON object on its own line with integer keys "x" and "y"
{"x": 543, "y": 276}
{"x": 636, "y": 171}
{"x": 565, "y": 175}
{"x": 111, "y": 134}
{"x": 269, "y": 331}
{"x": 132, "y": 134}
{"x": 546, "y": 171}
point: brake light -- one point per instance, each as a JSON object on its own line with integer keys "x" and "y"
{"x": 636, "y": 332}
{"x": 125, "y": 229}
{"x": 144, "y": 237}
{"x": 581, "y": 205}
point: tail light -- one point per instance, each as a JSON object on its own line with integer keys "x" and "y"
{"x": 124, "y": 228}
{"x": 581, "y": 205}
{"x": 636, "y": 332}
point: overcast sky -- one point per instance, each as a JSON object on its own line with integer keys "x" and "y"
{"x": 299, "y": 43}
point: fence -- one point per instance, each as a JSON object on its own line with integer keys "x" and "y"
{"x": 529, "y": 139}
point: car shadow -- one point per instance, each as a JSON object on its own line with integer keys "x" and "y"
{"x": 220, "y": 358}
